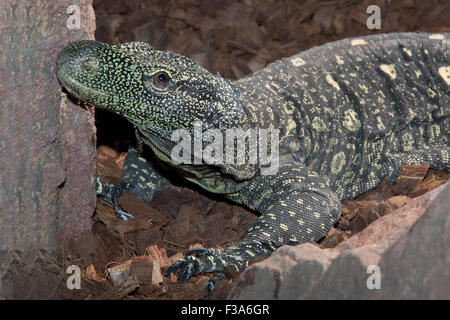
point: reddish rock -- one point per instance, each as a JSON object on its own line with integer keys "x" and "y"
{"x": 417, "y": 265}
{"x": 47, "y": 143}
{"x": 286, "y": 271}
{"x": 410, "y": 247}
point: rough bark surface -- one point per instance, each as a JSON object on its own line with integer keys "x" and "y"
{"x": 47, "y": 149}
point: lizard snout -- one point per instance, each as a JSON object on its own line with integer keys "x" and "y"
{"x": 77, "y": 58}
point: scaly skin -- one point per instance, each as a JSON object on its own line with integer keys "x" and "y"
{"x": 349, "y": 113}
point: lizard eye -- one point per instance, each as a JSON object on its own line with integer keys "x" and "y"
{"x": 161, "y": 79}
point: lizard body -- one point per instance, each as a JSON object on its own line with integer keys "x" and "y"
{"x": 349, "y": 113}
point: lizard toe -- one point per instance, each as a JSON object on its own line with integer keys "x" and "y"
{"x": 198, "y": 251}
{"x": 210, "y": 285}
{"x": 190, "y": 266}
{"x": 124, "y": 215}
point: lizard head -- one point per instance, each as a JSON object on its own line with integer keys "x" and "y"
{"x": 157, "y": 90}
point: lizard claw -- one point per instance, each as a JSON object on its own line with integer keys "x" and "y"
{"x": 124, "y": 215}
{"x": 115, "y": 200}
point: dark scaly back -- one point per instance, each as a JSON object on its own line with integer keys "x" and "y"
{"x": 349, "y": 109}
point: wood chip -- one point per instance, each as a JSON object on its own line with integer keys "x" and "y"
{"x": 159, "y": 254}
{"x": 146, "y": 270}
{"x": 410, "y": 177}
{"x": 125, "y": 288}
{"x": 119, "y": 273}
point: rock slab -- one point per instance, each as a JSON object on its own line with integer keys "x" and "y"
{"x": 47, "y": 143}
{"x": 403, "y": 255}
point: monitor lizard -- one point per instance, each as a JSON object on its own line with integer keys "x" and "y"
{"x": 349, "y": 113}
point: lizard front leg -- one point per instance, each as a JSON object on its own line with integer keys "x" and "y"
{"x": 296, "y": 206}
{"x": 140, "y": 178}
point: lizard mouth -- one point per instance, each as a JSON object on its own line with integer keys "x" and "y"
{"x": 79, "y": 90}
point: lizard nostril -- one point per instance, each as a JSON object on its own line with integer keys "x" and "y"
{"x": 88, "y": 64}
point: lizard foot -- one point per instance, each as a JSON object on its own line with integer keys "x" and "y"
{"x": 115, "y": 200}
{"x": 120, "y": 213}
{"x": 111, "y": 194}
{"x": 124, "y": 215}
{"x": 213, "y": 281}
{"x": 205, "y": 260}
{"x": 112, "y": 197}
{"x": 234, "y": 258}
